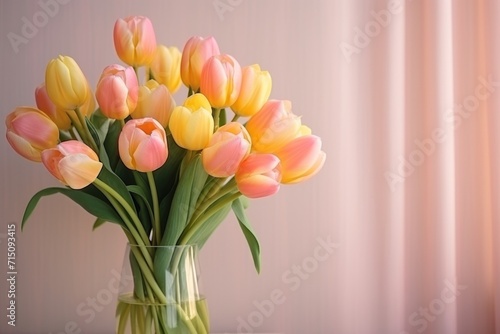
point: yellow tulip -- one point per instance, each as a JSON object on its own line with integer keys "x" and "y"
{"x": 166, "y": 67}
{"x": 255, "y": 90}
{"x": 192, "y": 124}
{"x": 66, "y": 84}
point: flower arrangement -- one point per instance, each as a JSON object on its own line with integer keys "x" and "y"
{"x": 167, "y": 174}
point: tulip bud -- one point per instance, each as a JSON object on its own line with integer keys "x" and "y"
{"x": 166, "y": 67}
{"x": 117, "y": 91}
{"x": 273, "y": 126}
{"x": 301, "y": 159}
{"x": 221, "y": 80}
{"x": 143, "y": 145}
{"x": 135, "y": 40}
{"x": 30, "y": 131}
{"x": 192, "y": 124}
{"x": 259, "y": 175}
{"x": 196, "y": 52}
{"x": 154, "y": 101}
{"x": 66, "y": 85}
{"x": 255, "y": 90}
{"x": 229, "y": 145}
{"x": 73, "y": 163}
{"x": 43, "y": 102}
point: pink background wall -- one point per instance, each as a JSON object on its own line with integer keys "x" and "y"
{"x": 61, "y": 263}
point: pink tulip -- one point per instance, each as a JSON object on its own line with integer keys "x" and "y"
{"x": 73, "y": 163}
{"x": 30, "y": 131}
{"x": 143, "y": 145}
{"x": 154, "y": 101}
{"x": 259, "y": 175}
{"x": 273, "y": 126}
{"x": 301, "y": 159}
{"x": 221, "y": 80}
{"x": 196, "y": 52}
{"x": 45, "y": 104}
{"x": 117, "y": 91}
{"x": 229, "y": 145}
{"x": 135, "y": 40}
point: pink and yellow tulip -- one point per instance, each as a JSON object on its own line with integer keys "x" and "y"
{"x": 194, "y": 56}
{"x": 229, "y": 145}
{"x": 45, "y": 104}
{"x": 143, "y": 145}
{"x": 273, "y": 126}
{"x": 221, "y": 80}
{"x": 301, "y": 159}
{"x": 73, "y": 163}
{"x": 66, "y": 84}
{"x": 117, "y": 91}
{"x": 30, "y": 131}
{"x": 135, "y": 40}
{"x": 154, "y": 101}
{"x": 259, "y": 175}
{"x": 166, "y": 67}
{"x": 255, "y": 90}
{"x": 192, "y": 124}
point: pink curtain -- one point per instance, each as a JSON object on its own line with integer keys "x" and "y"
{"x": 418, "y": 167}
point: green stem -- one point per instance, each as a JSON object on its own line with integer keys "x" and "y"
{"x": 216, "y": 206}
{"x": 127, "y": 208}
{"x": 235, "y": 118}
{"x": 72, "y": 133}
{"x": 216, "y": 114}
{"x": 89, "y": 139}
{"x": 135, "y": 235}
{"x": 157, "y": 232}
{"x": 213, "y": 195}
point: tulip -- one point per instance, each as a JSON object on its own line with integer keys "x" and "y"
{"x": 43, "y": 102}
{"x": 154, "y": 101}
{"x": 255, "y": 90}
{"x": 196, "y": 52}
{"x": 143, "y": 145}
{"x": 135, "y": 40}
{"x": 166, "y": 67}
{"x": 259, "y": 175}
{"x": 59, "y": 116}
{"x": 221, "y": 80}
{"x": 192, "y": 124}
{"x": 73, "y": 163}
{"x": 273, "y": 126}
{"x": 66, "y": 85}
{"x": 229, "y": 145}
{"x": 30, "y": 131}
{"x": 301, "y": 159}
{"x": 117, "y": 91}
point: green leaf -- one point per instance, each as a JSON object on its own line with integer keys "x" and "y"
{"x": 100, "y": 124}
{"x": 182, "y": 207}
{"x": 91, "y": 204}
{"x": 184, "y": 202}
{"x": 209, "y": 226}
{"x": 111, "y": 143}
{"x": 145, "y": 213}
{"x": 222, "y": 117}
{"x": 98, "y": 222}
{"x": 247, "y": 229}
{"x": 167, "y": 175}
{"x": 93, "y": 132}
{"x": 116, "y": 183}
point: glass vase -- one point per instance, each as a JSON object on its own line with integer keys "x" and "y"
{"x": 160, "y": 292}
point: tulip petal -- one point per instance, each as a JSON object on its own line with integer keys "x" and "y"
{"x": 23, "y": 147}
{"x": 79, "y": 170}
{"x": 258, "y": 186}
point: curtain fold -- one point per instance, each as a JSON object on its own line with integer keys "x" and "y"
{"x": 423, "y": 132}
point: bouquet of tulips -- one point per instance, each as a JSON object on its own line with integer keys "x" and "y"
{"x": 167, "y": 174}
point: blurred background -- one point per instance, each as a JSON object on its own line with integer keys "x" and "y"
{"x": 397, "y": 234}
